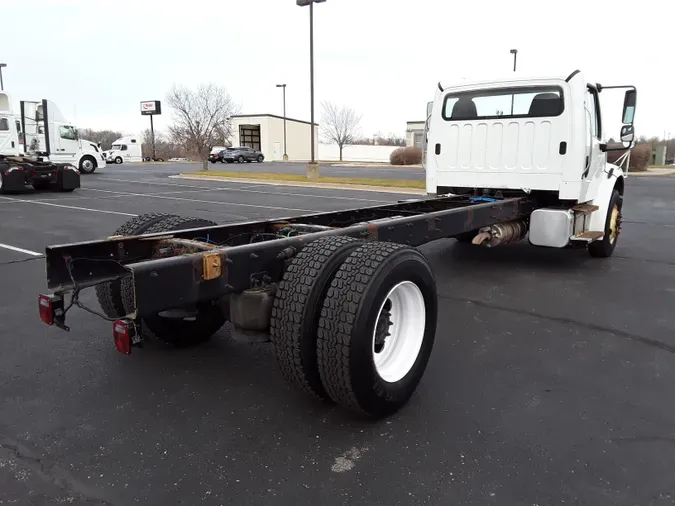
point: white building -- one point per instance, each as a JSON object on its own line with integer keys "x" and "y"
{"x": 266, "y": 133}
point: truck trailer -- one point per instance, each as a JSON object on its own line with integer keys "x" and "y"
{"x": 21, "y": 167}
{"x": 348, "y": 300}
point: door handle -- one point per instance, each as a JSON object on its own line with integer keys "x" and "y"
{"x": 438, "y": 149}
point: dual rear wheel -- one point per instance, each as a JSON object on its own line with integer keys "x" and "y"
{"x": 354, "y": 323}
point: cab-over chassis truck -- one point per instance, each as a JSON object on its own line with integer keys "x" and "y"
{"x": 349, "y": 302}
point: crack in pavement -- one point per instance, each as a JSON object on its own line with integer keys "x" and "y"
{"x": 51, "y": 473}
{"x": 620, "y": 333}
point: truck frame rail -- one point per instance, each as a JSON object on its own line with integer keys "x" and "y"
{"x": 185, "y": 267}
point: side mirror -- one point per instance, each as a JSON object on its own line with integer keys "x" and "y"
{"x": 629, "y": 108}
{"x": 627, "y": 133}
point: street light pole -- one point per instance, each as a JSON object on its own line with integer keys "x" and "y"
{"x": 313, "y": 167}
{"x": 2, "y": 84}
{"x": 285, "y": 147}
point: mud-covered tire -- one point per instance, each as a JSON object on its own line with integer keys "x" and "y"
{"x": 297, "y": 309}
{"x": 351, "y": 314}
{"x": 606, "y": 246}
{"x": 208, "y": 317}
{"x": 110, "y": 294}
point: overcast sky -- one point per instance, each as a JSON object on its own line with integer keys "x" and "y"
{"x": 97, "y": 60}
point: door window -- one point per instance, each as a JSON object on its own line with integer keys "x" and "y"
{"x": 4, "y": 125}
{"x": 124, "y": 147}
{"x": 68, "y": 133}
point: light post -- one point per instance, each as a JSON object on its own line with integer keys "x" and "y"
{"x": 285, "y": 147}
{"x": 514, "y": 52}
{"x": 2, "y": 85}
{"x": 312, "y": 167}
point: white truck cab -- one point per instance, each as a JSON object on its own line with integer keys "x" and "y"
{"x": 125, "y": 150}
{"x": 45, "y": 128}
{"x": 542, "y": 135}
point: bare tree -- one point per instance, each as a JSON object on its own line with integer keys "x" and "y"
{"x": 201, "y": 118}
{"x": 103, "y": 137}
{"x": 340, "y": 125}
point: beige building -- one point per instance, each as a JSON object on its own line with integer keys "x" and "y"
{"x": 415, "y": 134}
{"x": 266, "y": 133}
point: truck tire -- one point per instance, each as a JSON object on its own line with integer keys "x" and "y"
{"x": 174, "y": 328}
{"x": 119, "y": 160}
{"x": 377, "y": 328}
{"x": 605, "y": 247}
{"x": 297, "y": 308}
{"x": 88, "y": 164}
{"x": 110, "y": 294}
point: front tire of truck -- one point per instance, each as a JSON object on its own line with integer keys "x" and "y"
{"x": 377, "y": 328}
{"x": 118, "y": 160}
{"x": 297, "y": 308}
{"x": 87, "y": 165}
{"x": 606, "y": 246}
{"x": 179, "y": 327}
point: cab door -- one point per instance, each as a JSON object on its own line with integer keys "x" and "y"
{"x": 67, "y": 146}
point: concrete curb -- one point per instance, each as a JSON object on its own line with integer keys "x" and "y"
{"x": 327, "y": 186}
{"x": 653, "y": 173}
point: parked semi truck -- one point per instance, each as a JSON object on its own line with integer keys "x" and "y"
{"x": 20, "y": 168}
{"x": 43, "y": 124}
{"x": 349, "y": 302}
{"x": 126, "y": 149}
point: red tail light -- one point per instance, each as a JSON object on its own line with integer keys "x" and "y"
{"x": 123, "y": 332}
{"x": 51, "y": 310}
{"x": 46, "y": 309}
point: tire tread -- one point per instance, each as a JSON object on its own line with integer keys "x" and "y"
{"x": 288, "y": 310}
{"x": 338, "y": 317}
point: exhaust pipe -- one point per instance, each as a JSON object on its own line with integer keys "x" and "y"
{"x": 501, "y": 233}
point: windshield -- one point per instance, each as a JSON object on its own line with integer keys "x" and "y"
{"x": 116, "y": 146}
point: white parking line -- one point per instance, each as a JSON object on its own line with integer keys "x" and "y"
{"x": 42, "y": 203}
{"x": 215, "y": 202}
{"x": 244, "y": 189}
{"x": 21, "y": 250}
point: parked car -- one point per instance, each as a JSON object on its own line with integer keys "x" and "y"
{"x": 242, "y": 154}
{"x": 217, "y": 156}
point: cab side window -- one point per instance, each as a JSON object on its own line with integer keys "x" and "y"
{"x": 124, "y": 147}
{"x": 68, "y": 133}
{"x": 4, "y": 125}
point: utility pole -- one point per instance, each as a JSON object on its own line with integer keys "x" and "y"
{"x": 285, "y": 147}
{"x": 313, "y": 167}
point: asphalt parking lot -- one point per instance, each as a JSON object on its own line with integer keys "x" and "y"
{"x": 550, "y": 382}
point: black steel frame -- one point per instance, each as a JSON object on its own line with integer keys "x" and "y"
{"x": 168, "y": 268}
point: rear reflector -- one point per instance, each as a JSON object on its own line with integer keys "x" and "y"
{"x": 123, "y": 333}
{"x": 46, "y": 309}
